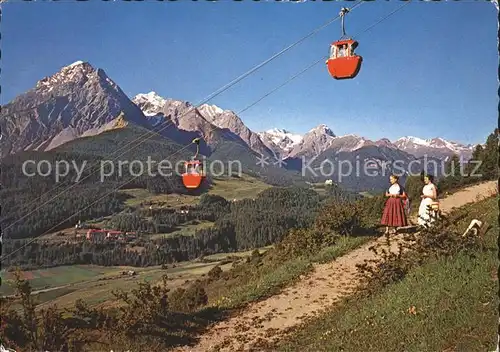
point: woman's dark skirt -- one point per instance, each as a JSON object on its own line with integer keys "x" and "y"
{"x": 394, "y": 213}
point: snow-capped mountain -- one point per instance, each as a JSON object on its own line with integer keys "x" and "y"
{"x": 182, "y": 115}
{"x": 81, "y": 100}
{"x": 313, "y": 142}
{"x": 206, "y": 119}
{"x": 435, "y": 147}
{"x": 279, "y": 140}
{"x": 211, "y": 112}
{"x": 322, "y": 138}
{"x": 77, "y": 101}
{"x": 151, "y": 103}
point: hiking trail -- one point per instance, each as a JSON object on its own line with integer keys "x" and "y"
{"x": 328, "y": 283}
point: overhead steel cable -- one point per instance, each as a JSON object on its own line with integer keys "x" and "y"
{"x": 128, "y": 181}
{"x": 152, "y": 133}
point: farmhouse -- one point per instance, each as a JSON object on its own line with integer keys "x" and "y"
{"x": 114, "y": 235}
{"x": 96, "y": 235}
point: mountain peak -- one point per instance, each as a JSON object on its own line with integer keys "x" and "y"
{"x": 414, "y": 140}
{"x": 385, "y": 142}
{"x": 77, "y": 72}
{"x": 78, "y": 66}
{"x": 210, "y": 111}
{"x": 280, "y": 140}
{"x": 322, "y": 129}
{"x": 77, "y": 100}
{"x": 151, "y": 97}
{"x": 277, "y": 130}
{"x": 151, "y": 103}
{"x": 280, "y": 131}
{"x": 77, "y": 63}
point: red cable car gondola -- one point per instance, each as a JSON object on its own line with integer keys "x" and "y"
{"x": 343, "y": 63}
{"x": 194, "y": 173}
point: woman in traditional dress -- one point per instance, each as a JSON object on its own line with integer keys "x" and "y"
{"x": 429, "y": 197}
{"x": 394, "y": 213}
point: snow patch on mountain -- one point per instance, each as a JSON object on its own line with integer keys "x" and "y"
{"x": 76, "y": 63}
{"x": 150, "y": 103}
{"x": 410, "y": 141}
{"x": 77, "y": 71}
{"x": 282, "y": 139}
{"x": 210, "y": 111}
{"x": 322, "y": 129}
{"x": 434, "y": 146}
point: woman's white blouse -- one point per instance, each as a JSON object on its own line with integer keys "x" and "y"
{"x": 394, "y": 189}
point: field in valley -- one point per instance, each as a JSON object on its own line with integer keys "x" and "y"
{"x": 65, "y": 284}
{"x": 229, "y": 188}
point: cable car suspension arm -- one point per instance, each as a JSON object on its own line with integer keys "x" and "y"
{"x": 197, "y": 142}
{"x": 342, "y": 14}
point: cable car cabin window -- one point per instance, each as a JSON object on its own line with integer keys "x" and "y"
{"x": 333, "y": 51}
{"x": 194, "y": 168}
{"x": 343, "y": 50}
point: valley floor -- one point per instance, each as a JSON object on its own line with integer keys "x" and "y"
{"x": 64, "y": 285}
{"x": 269, "y": 320}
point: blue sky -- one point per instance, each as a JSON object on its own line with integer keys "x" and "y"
{"x": 429, "y": 70}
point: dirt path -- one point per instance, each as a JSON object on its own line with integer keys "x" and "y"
{"x": 327, "y": 284}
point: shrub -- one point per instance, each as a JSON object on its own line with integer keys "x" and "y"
{"x": 304, "y": 242}
{"x": 188, "y": 300}
{"x": 342, "y": 218}
{"x": 215, "y": 273}
{"x": 434, "y": 242}
{"x": 370, "y": 211}
{"x": 146, "y": 306}
{"x": 212, "y": 199}
{"x": 33, "y": 330}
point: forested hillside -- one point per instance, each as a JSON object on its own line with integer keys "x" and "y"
{"x": 90, "y": 169}
{"x": 246, "y": 224}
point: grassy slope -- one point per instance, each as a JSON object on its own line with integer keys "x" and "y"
{"x": 455, "y": 302}
{"x": 186, "y": 229}
{"x": 229, "y": 188}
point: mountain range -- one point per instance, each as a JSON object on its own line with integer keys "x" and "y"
{"x": 322, "y": 138}
{"x": 82, "y": 101}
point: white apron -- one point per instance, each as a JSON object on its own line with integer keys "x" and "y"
{"x": 424, "y": 214}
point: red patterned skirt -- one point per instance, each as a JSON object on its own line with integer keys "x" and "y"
{"x": 394, "y": 213}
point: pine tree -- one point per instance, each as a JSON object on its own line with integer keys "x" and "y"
{"x": 489, "y": 166}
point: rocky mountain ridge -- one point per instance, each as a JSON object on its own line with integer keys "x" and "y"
{"x": 82, "y": 101}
